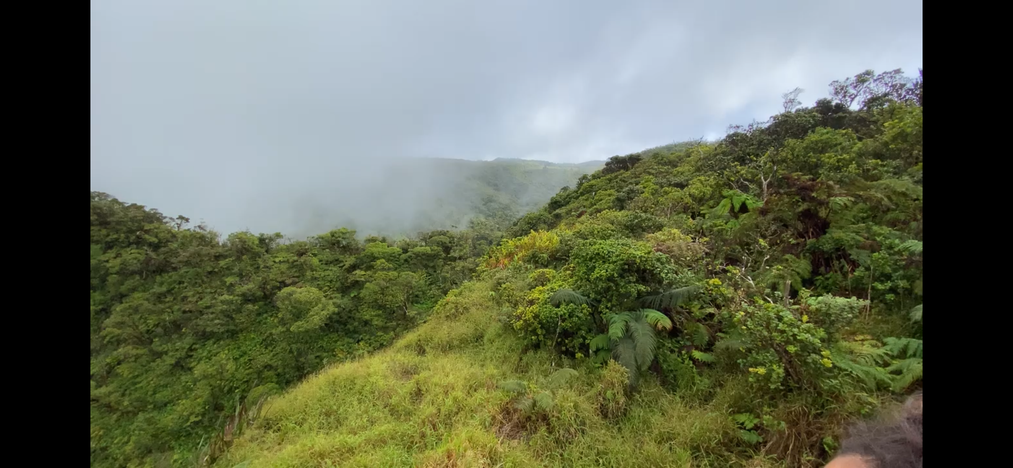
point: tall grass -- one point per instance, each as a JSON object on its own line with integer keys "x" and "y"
{"x": 433, "y": 400}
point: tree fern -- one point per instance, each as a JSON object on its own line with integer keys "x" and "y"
{"x": 631, "y": 340}
{"x": 568, "y": 296}
{"x": 670, "y": 299}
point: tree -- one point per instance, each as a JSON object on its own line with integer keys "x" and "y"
{"x": 870, "y": 90}
{"x": 791, "y": 101}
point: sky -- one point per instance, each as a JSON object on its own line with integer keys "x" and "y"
{"x": 236, "y": 112}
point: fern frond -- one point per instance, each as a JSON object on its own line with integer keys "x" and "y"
{"x": 800, "y": 267}
{"x": 617, "y": 325}
{"x": 514, "y": 386}
{"x": 657, "y": 319}
{"x": 871, "y": 376}
{"x": 561, "y": 376}
{"x": 543, "y": 401}
{"x": 601, "y": 357}
{"x": 702, "y": 356}
{"x": 910, "y": 372}
{"x": 643, "y": 341}
{"x": 840, "y": 203}
{"x": 567, "y": 296}
{"x": 670, "y": 299}
{"x": 903, "y": 347}
{"x": 525, "y": 404}
{"x": 599, "y": 342}
{"x": 625, "y": 353}
{"x": 700, "y": 335}
{"x": 911, "y": 246}
{"x": 863, "y": 353}
{"x": 862, "y": 361}
{"x": 723, "y": 207}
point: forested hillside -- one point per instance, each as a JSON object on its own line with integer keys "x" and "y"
{"x": 701, "y": 304}
{"x": 187, "y": 324}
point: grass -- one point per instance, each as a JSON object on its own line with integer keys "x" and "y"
{"x": 433, "y": 400}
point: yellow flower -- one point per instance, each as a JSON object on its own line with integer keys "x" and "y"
{"x": 805, "y": 318}
{"x": 827, "y": 362}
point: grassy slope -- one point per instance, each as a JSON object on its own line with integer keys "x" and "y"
{"x": 433, "y": 399}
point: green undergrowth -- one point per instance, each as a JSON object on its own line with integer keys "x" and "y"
{"x": 435, "y": 399}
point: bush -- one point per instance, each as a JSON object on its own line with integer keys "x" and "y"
{"x": 612, "y": 271}
{"x": 779, "y": 347}
{"x": 568, "y": 329}
{"x": 536, "y": 248}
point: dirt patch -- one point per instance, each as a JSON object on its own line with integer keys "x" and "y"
{"x": 509, "y": 423}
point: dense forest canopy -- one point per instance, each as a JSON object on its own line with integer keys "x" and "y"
{"x": 729, "y": 303}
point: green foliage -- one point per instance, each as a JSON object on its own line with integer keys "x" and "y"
{"x": 631, "y": 339}
{"x": 186, "y": 326}
{"x": 534, "y": 401}
{"x": 747, "y": 422}
{"x": 611, "y": 272}
{"x": 681, "y": 248}
{"x": 781, "y": 268}
{"x": 782, "y": 347}
{"x": 537, "y": 248}
{"x": 906, "y": 367}
{"x": 563, "y": 320}
{"x": 612, "y": 391}
{"x": 567, "y": 296}
{"x": 895, "y": 365}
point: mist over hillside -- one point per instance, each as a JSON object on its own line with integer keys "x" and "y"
{"x": 388, "y": 196}
{"x": 413, "y": 195}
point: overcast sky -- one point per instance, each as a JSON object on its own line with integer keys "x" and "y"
{"x": 223, "y": 109}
